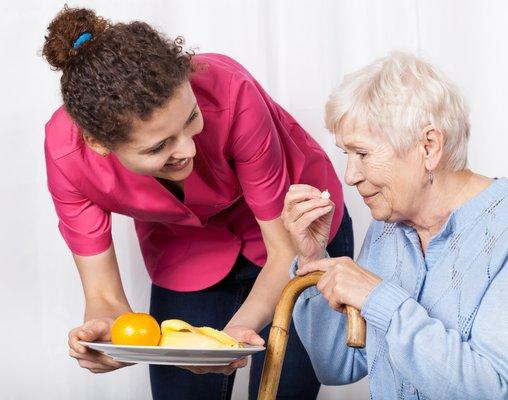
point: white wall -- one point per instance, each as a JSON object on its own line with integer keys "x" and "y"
{"x": 298, "y": 50}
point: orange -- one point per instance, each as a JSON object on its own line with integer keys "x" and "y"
{"x": 135, "y": 329}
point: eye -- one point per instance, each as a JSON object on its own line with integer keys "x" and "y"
{"x": 158, "y": 148}
{"x": 192, "y": 117}
{"x": 361, "y": 155}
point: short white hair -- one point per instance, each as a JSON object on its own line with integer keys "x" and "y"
{"x": 399, "y": 95}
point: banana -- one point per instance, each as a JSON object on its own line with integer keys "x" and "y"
{"x": 175, "y": 325}
{"x": 189, "y": 340}
{"x": 178, "y": 333}
{"x": 218, "y": 335}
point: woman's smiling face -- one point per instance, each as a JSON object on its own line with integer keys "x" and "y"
{"x": 391, "y": 185}
{"x": 163, "y": 146}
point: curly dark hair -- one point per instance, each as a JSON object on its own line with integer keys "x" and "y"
{"x": 124, "y": 72}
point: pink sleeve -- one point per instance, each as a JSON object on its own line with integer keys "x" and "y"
{"x": 85, "y": 227}
{"x": 257, "y": 153}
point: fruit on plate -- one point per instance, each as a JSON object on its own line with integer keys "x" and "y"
{"x": 180, "y": 334}
{"x": 135, "y": 329}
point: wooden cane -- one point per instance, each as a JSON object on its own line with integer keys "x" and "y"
{"x": 277, "y": 341}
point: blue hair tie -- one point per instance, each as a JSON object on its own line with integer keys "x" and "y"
{"x": 84, "y": 37}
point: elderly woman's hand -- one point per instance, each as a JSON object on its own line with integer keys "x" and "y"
{"x": 308, "y": 217}
{"x": 343, "y": 283}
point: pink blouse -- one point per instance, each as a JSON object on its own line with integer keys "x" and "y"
{"x": 248, "y": 154}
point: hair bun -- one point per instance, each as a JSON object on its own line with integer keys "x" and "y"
{"x": 64, "y": 30}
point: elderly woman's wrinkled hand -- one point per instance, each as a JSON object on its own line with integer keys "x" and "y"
{"x": 307, "y": 215}
{"x": 343, "y": 283}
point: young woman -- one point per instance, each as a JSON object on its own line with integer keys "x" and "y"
{"x": 198, "y": 154}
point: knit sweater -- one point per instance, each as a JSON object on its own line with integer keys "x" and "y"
{"x": 437, "y": 324}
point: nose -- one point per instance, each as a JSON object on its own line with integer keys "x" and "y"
{"x": 186, "y": 149}
{"x": 353, "y": 175}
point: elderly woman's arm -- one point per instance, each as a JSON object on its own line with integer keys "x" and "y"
{"x": 323, "y": 333}
{"x": 436, "y": 360}
{"x": 307, "y": 215}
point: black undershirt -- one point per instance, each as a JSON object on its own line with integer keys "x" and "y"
{"x": 175, "y": 188}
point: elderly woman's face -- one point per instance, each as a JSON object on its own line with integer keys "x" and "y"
{"x": 389, "y": 184}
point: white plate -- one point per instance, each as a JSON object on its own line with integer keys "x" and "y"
{"x": 168, "y": 356}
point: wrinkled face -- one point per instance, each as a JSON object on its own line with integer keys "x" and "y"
{"x": 163, "y": 146}
{"x": 391, "y": 185}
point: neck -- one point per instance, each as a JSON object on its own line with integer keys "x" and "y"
{"x": 175, "y": 187}
{"x": 448, "y": 192}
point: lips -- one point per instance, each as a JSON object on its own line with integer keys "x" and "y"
{"x": 368, "y": 197}
{"x": 178, "y": 165}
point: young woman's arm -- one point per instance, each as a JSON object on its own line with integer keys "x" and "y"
{"x": 105, "y": 300}
{"x": 257, "y": 310}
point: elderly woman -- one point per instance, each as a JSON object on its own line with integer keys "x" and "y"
{"x": 431, "y": 280}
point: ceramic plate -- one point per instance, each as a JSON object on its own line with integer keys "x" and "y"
{"x": 168, "y": 356}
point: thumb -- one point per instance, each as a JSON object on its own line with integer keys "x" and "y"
{"x": 95, "y": 330}
{"x": 251, "y": 337}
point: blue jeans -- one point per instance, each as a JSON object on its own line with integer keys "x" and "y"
{"x": 214, "y": 307}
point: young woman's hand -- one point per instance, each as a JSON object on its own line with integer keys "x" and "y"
{"x": 308, "y": 217}
{"x": 240, "y": 333}
{"x": 92, "y": 330}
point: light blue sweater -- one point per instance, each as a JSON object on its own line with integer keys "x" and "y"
{"x": 437, "y": 326}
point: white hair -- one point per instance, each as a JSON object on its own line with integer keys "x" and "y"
{"x": 398, "y": 96}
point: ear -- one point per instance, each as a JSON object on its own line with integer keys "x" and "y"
{"x": 96, "y": 145}
{"x": 432, "y": 142}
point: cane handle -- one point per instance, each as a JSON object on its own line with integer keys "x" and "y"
{"x": 277, "y": 341}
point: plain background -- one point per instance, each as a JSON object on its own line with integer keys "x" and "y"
{"x": 298, "y": 50}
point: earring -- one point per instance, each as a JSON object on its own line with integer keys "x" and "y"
{"x": 105, "y": 154}
{"x": 431, "y": 177}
